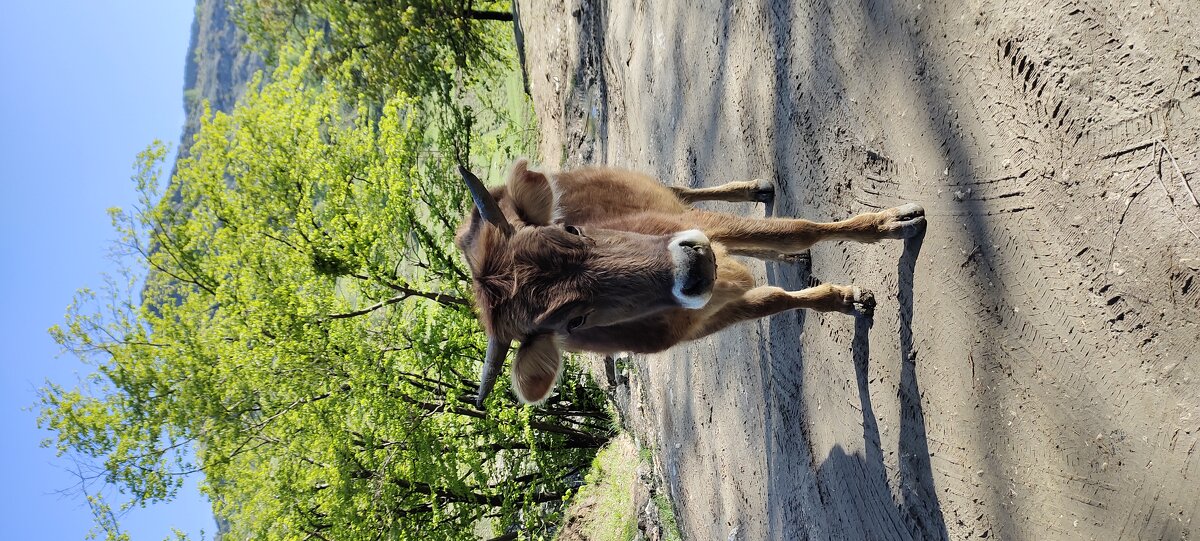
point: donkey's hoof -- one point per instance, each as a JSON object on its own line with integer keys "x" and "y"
{"x": 902, "y": 222}
{"x": 764, "y": 190}
{"x": 862, "y": 302}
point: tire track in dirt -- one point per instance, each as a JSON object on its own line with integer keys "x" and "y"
{"x": 1036, "y": 228}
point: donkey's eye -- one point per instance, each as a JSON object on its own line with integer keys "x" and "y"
{"x": 576, "y": 322}
{"x": 573, "y": 230}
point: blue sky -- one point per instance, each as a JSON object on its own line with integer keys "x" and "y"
{"x": 84, "y": 86}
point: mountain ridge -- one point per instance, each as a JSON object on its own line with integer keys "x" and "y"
{"x": 217, "y": 68}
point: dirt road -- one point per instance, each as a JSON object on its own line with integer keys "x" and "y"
{"x": 1031, "y": 369}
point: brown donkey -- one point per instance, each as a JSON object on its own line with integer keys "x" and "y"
{"x": 605, "y": 260}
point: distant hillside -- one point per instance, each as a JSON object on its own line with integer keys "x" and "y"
{"x": 217, "y": 66}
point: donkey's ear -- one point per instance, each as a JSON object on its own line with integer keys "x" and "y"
{"x": 531, "y": 194}
{"x": 536, "y": 368}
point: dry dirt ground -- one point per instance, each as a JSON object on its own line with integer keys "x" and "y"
{"x": 1031, "y": 369}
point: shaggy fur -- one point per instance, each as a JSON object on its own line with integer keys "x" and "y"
{"x": 588, "y": 269}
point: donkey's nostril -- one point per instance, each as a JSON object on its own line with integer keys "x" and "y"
{"x": 703, "y": 252}
{"x": 690, "y": 239}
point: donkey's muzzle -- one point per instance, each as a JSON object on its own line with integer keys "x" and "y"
{"x": 695, "y": 268}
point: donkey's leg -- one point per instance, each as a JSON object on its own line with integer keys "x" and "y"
{"x": 772, "y": 255}
{"x": 757, "y": 190}
{"x": 787, "y": 235}
{"x": 763, "y": 301}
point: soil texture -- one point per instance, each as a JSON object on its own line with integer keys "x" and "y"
{"x": 1031, "y": 369}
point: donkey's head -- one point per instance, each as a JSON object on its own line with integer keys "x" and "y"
{"x": 537, "y": 279}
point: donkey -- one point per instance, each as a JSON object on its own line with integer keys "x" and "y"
{"x": 606, "y": 260}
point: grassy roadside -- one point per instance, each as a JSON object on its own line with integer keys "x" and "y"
{"x": 616, "y": 503}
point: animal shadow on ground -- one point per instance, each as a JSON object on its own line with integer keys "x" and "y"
{"x": 912, "y": 509}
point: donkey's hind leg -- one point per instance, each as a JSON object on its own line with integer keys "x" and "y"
{"x": 753, "y": 191}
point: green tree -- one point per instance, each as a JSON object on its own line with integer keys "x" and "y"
{"x": 424, "y": 48}
{"x": 303, "y": 337}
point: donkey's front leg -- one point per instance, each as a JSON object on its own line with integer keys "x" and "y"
{"x": 763, "y": 301}
{"x": 789, "y": 236}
